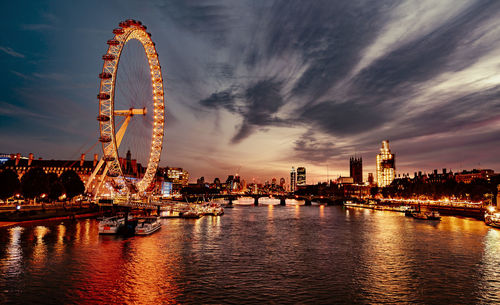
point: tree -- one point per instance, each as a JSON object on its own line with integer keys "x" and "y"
{"x": 56, "y": 189}
{"x": 34, "y": 183}
{"x": 374, "y": 191}
{"x": 72, "y": 183}
{"x": 9, "y": 183}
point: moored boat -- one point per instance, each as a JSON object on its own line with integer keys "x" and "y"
{"x": 426, "y": 215}
{"x": 111, "y": 225}
{"x": 190, "y": 214}
{"x": 147, "y": 225}
{"x": 492, "y": 220}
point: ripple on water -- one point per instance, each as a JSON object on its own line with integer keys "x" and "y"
{"x": 292, "y": 254}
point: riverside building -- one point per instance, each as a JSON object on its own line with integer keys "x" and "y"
{"x": 386, "y": 165}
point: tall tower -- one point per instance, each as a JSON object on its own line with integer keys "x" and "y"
{"x": 498, "y": 197}
{"x": 386, "y": 165}
{"x": 301, "y": 176}
{"x": 293, "y": 180}
{"x": 356, "y": 169}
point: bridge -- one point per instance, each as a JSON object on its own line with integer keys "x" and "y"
{"x": 308, "y": 199}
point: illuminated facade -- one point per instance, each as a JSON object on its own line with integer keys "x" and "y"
{"x": 386, "y": 165}
{"x": 176, "y": 175}
{"x": 301, "y": 176}
{"x": 293, "y": 180}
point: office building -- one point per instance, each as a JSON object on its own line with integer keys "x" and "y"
{"x": 386, "y": 165}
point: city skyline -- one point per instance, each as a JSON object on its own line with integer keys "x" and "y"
{"x": 260, "y": 95}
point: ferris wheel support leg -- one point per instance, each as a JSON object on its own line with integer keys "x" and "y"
{"x": 121, "y": 131}
{"x": 94, "y": 173}
{"x": 103, "y": 176}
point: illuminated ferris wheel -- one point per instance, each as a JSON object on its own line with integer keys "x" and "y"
{"x": 111, "y": 133}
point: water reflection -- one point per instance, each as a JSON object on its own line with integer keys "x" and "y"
{"x": 40, "y": 248}
{"x": 265, "y": 254}
{"x": 13, "y": 262}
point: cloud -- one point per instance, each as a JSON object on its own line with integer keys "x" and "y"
{"x": 309, "y": 148}
{"x": 38, "y": 27}
{"x": 11, "y": 52}
{"x": 257, "y": 105}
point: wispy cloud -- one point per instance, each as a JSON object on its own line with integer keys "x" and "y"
{"x": 11, "y": 52}
{"x": 38, "y": 27}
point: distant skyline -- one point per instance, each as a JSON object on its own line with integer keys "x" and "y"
{"x": 257, "y": 87}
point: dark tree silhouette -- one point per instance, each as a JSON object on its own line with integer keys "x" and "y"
{"x": 56, "y": 188}
{"x": 9, "y": 183}
{"x": 34, "y": 183}
{"x": 72, "y": 183}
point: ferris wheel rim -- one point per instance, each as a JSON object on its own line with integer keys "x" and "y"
{"x": 128, "y": 30}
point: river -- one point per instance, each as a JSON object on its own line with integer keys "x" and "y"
{"x": 266, "y": 254}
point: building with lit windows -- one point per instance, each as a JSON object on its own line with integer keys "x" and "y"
{"x": 301, "y": 176}
{"x": 386, "y": 165}
{"x": 21, "y": 165}
{"x": 293, "y": 180}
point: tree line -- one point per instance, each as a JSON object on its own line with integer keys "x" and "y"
{"x": 37, "y": 184}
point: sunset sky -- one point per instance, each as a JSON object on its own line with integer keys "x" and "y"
{"x": 259, "y": 86}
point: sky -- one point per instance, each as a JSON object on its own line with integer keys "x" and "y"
{"x": 256, "y": 87}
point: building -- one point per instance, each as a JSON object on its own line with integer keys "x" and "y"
{"x": 498, "y": 197}
{"x": 293, "y": 180}
{"x": 386, "y": 165}
{"x": 282, "y": 183}
{"x": 301, "y": 176}
{"x": 177, "y": 176}
{"x": 371, "y": 181}
{"x": 21, "y": 165}
{"x": 469, "y": 176}
{"x": 345, "y": 180}
{"x": 356, "y": 169}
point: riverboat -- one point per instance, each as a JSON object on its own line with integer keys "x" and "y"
{"x": 111, "y": 225}
{"x": 492, "y": 220}
{"x": 147, "y": 225}
{"x": 190, "y": 214}
{"x": 427, "y": 215}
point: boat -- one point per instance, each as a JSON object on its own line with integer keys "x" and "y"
{"x": 111, "y": 225}
{"x": 492, "y": 220}
{"x": 409, "y": 211}
{"x": 433, "y": 215}
{"x": 426, "y": 215}
{"x": 171, "y": 213}
{"x": 190, "y": 214}
{"x": 147, "y": 225}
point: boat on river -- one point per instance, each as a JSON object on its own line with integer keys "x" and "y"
{"x": 147, "y": 225}
{"x": 427, "y": 215}
{"x": 111, "y": 225}
{"x": 191, "y": 214}
{"x": 492, "y": 220}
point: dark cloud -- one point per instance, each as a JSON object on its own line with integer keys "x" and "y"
{"x": 224, "y": 99}
{"x": 309, "y": 148}
{"x": 208, "y": 18}
{"x": 351, "y": 117}
{"x": 257, "y": 105}
{"x": 424, "y": 57}
{"x": 329, "y": 36}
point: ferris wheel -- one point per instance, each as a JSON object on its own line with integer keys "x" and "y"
{"x": 111, "y": 134}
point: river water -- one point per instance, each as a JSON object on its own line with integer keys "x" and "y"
{"x": 265, "y": 254}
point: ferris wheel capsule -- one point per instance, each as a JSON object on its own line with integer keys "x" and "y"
{"x": 113, "y": 42}
{"x": 118, "y": 31}
{"x": 108, "y": 57}
{"x": 103, "y": 96}
{"x": 105, "y": 75}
